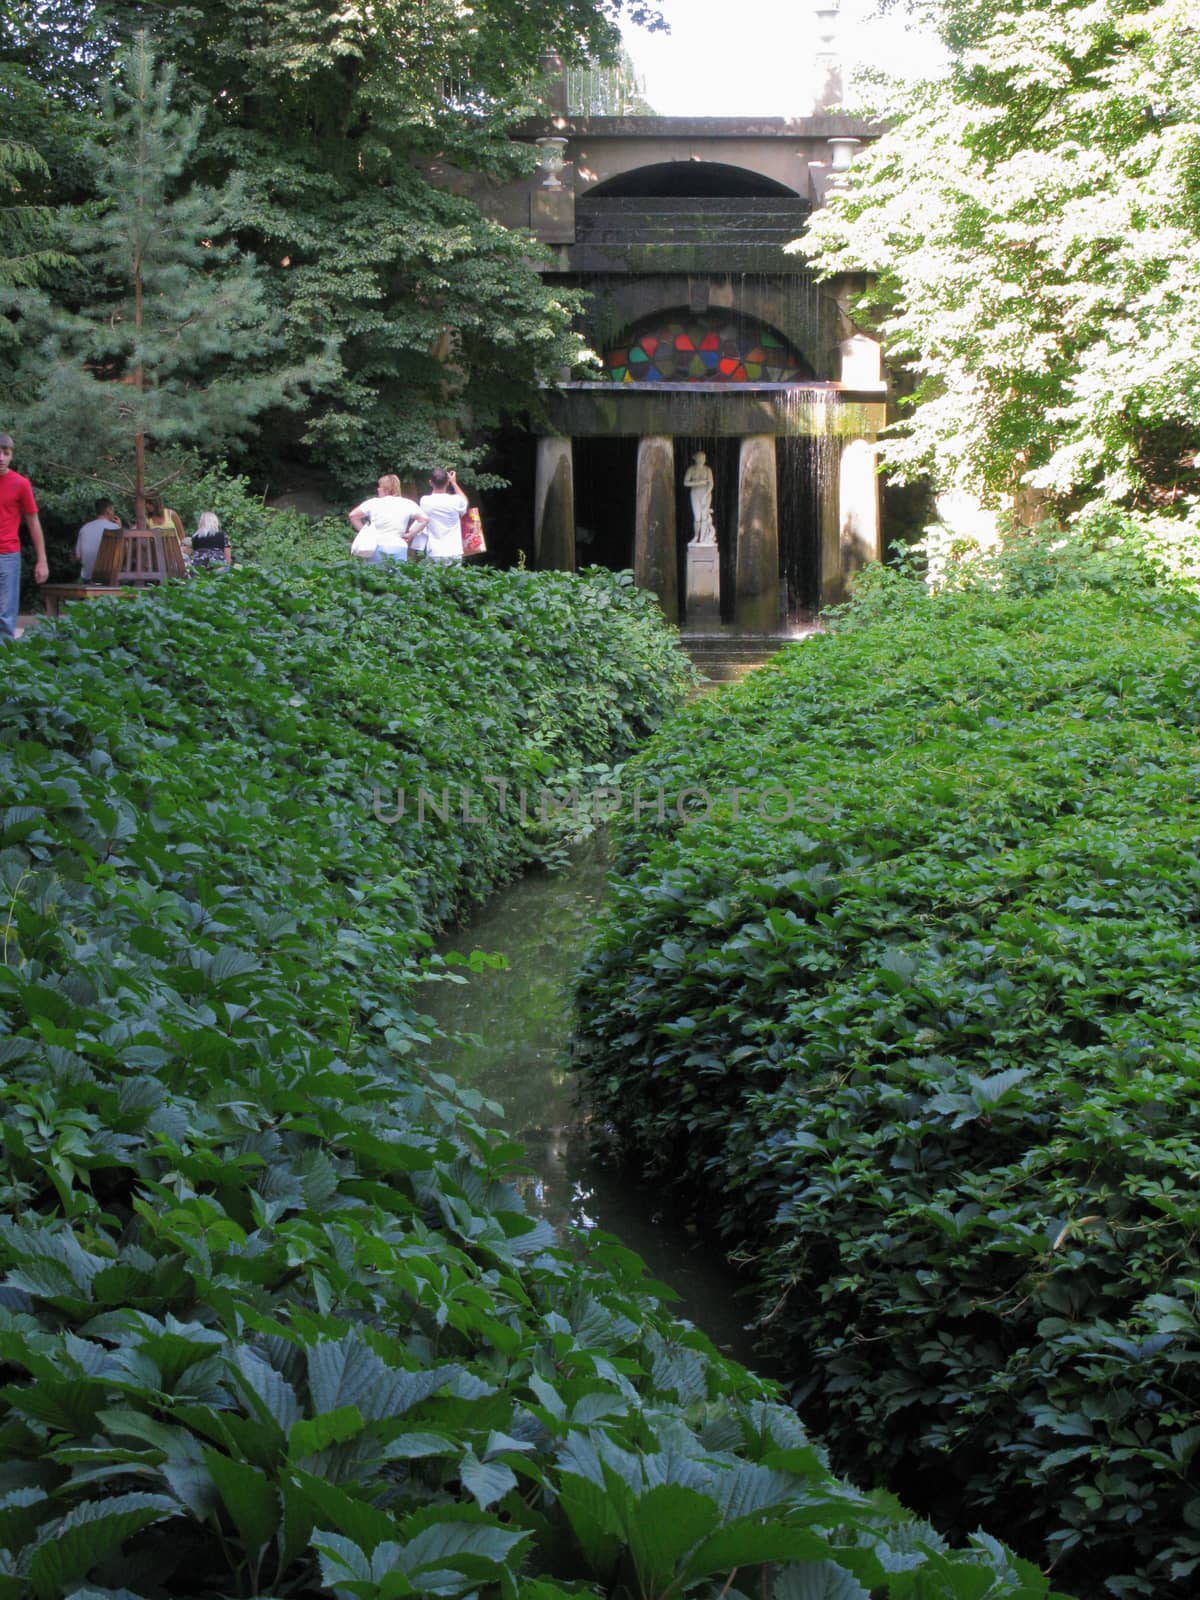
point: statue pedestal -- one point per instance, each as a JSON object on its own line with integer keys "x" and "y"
{"x": 703, "y": 584}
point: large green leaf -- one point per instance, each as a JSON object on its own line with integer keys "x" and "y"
{"x": 347, "y": 1372}
{"x": 486, "y": 1481}
{"x": 817, "y": 1580}
{"x": 250, "y": 1497}
{"x": 21, "y": 1513}
{"x": 331, "y": 1427}
{"x": 744, "y": 1488}
{"x": 182, "y": 1467}
{"x": 364, "y": 1525}
{"x": 941, "y": 1575}
{"x": 69, "y": 1549}
{"x": 596, "y": 1515}
{"x": 663, "y": 1525}
{"x": 272, "y": 1395}
{"x": 754, "y": 1542}
{"x": 342, "y": 1560}
{"x": 450, "y": 1536}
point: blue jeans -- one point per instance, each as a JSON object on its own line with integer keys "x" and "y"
{"x": 10, "y": 593}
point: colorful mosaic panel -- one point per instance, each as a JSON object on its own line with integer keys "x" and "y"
{"x": 704, "y": 350}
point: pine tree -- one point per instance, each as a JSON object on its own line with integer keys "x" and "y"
{"x": 170, "y": 342}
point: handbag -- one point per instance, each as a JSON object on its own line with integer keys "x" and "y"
{"x": 364, "y": 541}
{"x": 418, "y": 546}
{"x": 472, "y": 533}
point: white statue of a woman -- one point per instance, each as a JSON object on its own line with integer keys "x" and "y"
{"x": 698, "y": 480}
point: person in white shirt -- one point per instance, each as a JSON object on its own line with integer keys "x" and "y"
{"x": 393, "y": 518}
{"x": 87, "y": 540}
{"x": 444, "y": 508}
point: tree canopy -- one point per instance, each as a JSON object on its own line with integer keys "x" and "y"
{"x": 331, "y": 115}
{"x": 1032, "y": 222}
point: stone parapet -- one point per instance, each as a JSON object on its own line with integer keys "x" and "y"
{"x": 716, "y": 219}
{"x": 827, "y": 126}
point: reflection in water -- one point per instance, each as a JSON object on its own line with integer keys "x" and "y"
{"x": 509, "y": 1029}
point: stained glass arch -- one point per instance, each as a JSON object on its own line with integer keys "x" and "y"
{"x": 707, "y": 347}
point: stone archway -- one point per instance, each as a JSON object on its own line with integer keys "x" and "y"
{"x": 690, "y": 179}
{"x": 688, "y": 219}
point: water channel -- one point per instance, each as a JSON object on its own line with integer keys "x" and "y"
{"x": 509, "y": 1028}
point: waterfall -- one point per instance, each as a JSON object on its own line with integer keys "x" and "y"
{"x": 807, "y": 467}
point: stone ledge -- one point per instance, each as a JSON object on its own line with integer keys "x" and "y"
{"x": 823, "y": 127}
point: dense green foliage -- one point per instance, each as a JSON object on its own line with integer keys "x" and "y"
{"x": 415, "y": 318}
{"x": 273, "y": 1318}
{"x": 928, "y": 1053}
{"x": 36, "y": 167}
{"x": 25, "y": 228}
{"x": 1032, "y": 221}
{"x": 268, "y": 536}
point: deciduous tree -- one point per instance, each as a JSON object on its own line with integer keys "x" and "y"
{"x": 1032, "y": 222}
{"x": 333, "y": 116}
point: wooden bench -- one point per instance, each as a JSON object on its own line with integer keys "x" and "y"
{"x": 56, "y": 595}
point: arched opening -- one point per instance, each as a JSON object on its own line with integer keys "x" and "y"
{"x": 688, "y": 180}
{"x": 682, "y": 346}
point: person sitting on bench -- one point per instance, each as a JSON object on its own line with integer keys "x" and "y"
{"x": 87, "y": 541}
{"x": 210, "y": 550}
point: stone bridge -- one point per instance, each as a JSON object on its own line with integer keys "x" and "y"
{"x": 713, "y": 338}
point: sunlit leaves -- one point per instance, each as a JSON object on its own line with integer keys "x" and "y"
{"x": 1032, "y": 221}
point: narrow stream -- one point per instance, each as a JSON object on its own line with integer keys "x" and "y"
{"x": 509, "y": 1029}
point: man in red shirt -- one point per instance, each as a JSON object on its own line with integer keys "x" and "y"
{"x": 16, "y": 501}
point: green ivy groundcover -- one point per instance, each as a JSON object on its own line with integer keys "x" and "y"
{"x": 273, "y": 1318}
{"x": 918, "y": 1030}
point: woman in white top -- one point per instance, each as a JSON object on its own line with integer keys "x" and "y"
{"x": 393, "y": 518}
{"x": 444, "y": 509}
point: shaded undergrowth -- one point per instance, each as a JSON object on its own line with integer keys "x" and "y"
{"x": 927, "y": 1050}
{"x": 274, "y": 1320}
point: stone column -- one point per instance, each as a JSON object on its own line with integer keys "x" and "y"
{"x": 858, "y": 507}
{"x": 554, "y": 507}
{"x": 655, "y": 562}
{"x": 757, "y": 605}
{"x": 862, "y": 362}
